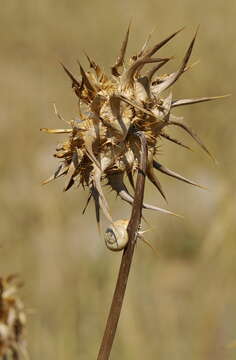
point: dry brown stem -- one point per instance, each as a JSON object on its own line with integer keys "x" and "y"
{"x": 133, "y": 227}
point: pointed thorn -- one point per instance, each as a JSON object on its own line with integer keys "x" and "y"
{"x": 171, "y": 79}
{"x": 85, "y": 78}
{"x": 95, "y": 195}
{"x": 183, "y": 102}
{"x": 175, "y": 141}
{"x": 155, "y": 48}
{"x": 71, "y": 76}
{"x": 146, "y": 43}
{"x": 117, "y": 184}
{"x": 61, "y": 170}
{"x": 87, "y": 202}
{"x": 120, "y": 59}
{"x": 194, "y": 136}
{"x": 173, "y": 174}
{"x": 89, "y": 60}
{"x": 152, "y": 177}
{"x": 151, "y": 73}
{"x": 56, "y": 131}
{"x": 128, "y": 77}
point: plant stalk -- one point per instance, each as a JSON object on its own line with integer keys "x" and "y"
{"x": 133, "y": 227}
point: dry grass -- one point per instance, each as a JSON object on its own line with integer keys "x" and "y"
{"x": 178, "y": 306}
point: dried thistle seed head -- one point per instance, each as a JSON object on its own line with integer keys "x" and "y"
{"x": 12, "y": 319}
{"x": 102, "y": 143}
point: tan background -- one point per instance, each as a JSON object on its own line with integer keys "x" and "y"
{"x": 179, "y": 305}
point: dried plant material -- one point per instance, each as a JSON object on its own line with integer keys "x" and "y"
{"x": 102, "y": 144}
{"x": 12, "y": 320}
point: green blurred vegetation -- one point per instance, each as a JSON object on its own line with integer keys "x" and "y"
{"x": 179, "y": 305}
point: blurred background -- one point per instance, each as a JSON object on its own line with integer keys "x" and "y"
{"x": 181, "y": 303}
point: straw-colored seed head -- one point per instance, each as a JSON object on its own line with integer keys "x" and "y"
{"x": 12, "y": 319}
{"x": 102, "y": 144}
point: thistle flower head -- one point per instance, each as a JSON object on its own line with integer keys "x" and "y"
{"x": 12, "y": 319}
{"x": 102, "y": 144}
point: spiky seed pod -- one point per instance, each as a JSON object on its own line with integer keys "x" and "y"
{"x": 12, "y": 319}
{"x": 102, "y": 143}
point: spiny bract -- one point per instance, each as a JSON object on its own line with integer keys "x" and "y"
{"x": 103, "y": 143}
